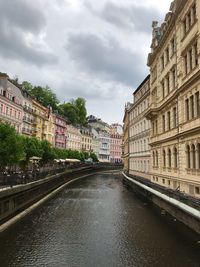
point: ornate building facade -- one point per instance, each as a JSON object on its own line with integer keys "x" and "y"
{"x": 175, "y": 99}
{"x": 11, "y": 100}
{"x": 139, "y": 131}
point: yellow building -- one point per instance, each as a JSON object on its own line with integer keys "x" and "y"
{"x": 49, "y": 127}
{"x": 86, "y": 140}
{"x": 175, "y": 99}
{"x": 40, "y": 116}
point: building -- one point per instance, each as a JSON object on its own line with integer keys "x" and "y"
{"x": 40, "y": 116}
{"x": 11, "y": 110}
{"x": 174, "y": 98}
{"x": 95, "y": 141}
{"x": 60, "y": 132}
{"x": 104, "y": 146}
{"x": 28, "y": 117}
{"x": 115, "y": 148}
{"x": 86, "y": 139}
{"x": 139, "y": 131}
{"x": 116, "y": 132}
{"x": 125, "y": 137}
{"x": 73, "y": 138}
{"x": 49, "y": 127}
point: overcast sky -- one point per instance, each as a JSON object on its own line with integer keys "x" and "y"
{"x": 96, "y": 49}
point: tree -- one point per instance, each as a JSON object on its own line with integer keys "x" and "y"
{"x": 11, "y": 148}
{"x": 94, "y": 157}
{"x": 70, "y": 111}
{"x": 75, "y": 111}
{"x": 32, "y": 147}
{"x": 44, "y": 95}
{"x": 80, "y": 103}
{"x": 48, "y": 153}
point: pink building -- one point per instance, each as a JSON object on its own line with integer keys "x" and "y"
{"x": 115, "y": 147}
{"x": 11, "y": 110}
{"x": 60, "y": 132}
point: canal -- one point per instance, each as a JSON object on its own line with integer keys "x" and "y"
{"x": 96, "y": 222}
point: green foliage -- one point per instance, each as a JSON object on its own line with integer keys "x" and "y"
{"x": 48, "y": 153}
{"x": 94, "y": 157}
{"x": 75, "y": 111}
{"x": 32, "y": 147}
{"x": 11, "y": 149}
{"x": 44, "y": 95}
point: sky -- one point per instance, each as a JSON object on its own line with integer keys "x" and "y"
{"x": 95, "y": 49}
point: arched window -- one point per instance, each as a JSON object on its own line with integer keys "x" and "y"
{"x": 175, "y": 157}
{"x": 164, "y": 158}
{"x": 169, "y": 158}
{"x": 188, "y": 157}
{"x": 193, "y": 156}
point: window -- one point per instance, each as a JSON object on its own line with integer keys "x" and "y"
{"x": 186, "y": 64}
{"x": 188, "y": 156}
{"x": 167, "y": 84}
{"x": 192, "y": 106}
{"x": 195, "y": 54}
{"x": 175, "y": 158}
{"x": 187, "y": 109}
{"x": 167, "y": 54}
{"x": 190, "y": 60}
{"x": 197, "y": 190}
{"x": 193, "y": 156}
{"x": 164, "y": 158}
{"x": 175, "y": 116}
{"x": 163, "y": 122}
{"x": 163, "y": 89}
{"x": 197, "y": 103}
{"x": 169, "y": 158}
{"x": 169, "y": 120}
{"x": 173, "y": 78}
{"x": 162, "y": 62}
{"x": 173, "y": 46}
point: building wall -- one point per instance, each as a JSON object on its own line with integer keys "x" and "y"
{"x": 115, "y": 148}
{"x": 60, "y": 132}
{"x": 28, "y": 117}
{"x": 139, "y": 132}
{"x": 40, "y": 116}
{"x": 73, "y": 136}
{"x": 175, "y": 100}
{"x": 11, "y": 110}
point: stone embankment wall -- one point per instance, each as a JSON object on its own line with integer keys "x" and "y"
{"x": 14, "y": 200}
{"x": 182, "y": 208}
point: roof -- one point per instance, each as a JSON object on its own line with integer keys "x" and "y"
{"x": 144, "y": 81}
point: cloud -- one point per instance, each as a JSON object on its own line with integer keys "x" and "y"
{"x": 105, "y": 57}
{"x": 129, "y": 16}
{"x": 20, "y": 27}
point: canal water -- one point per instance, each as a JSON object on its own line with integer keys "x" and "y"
{"x": 96, "y": 222}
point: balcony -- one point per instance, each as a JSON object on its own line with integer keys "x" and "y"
{"x": 28, "y": 120}
{"x": 28, "y": 109}
{"x": 26, "y": 131}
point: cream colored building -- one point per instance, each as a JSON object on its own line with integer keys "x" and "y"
{"x": 139, "y": 131}
{"x": 73, "y": 140}
{"x": 174, "y": 96}
{"x": 125, "y": 138}
{"x": 49, "y": 127}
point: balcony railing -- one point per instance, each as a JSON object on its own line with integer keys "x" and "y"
{"x": 26, "y": 119}
{"x": 26, "y": 130}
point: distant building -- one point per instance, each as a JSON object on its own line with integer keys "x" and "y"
{"x": 40, "y": 116}
{"x": 60, "y": 132}
{"x": 11, "y": 110}
{"x": 28, "y": 117}
{"x": 86, "y": 139}
{"x": 73, "y": 137}
{"x": 104, "y": 146}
